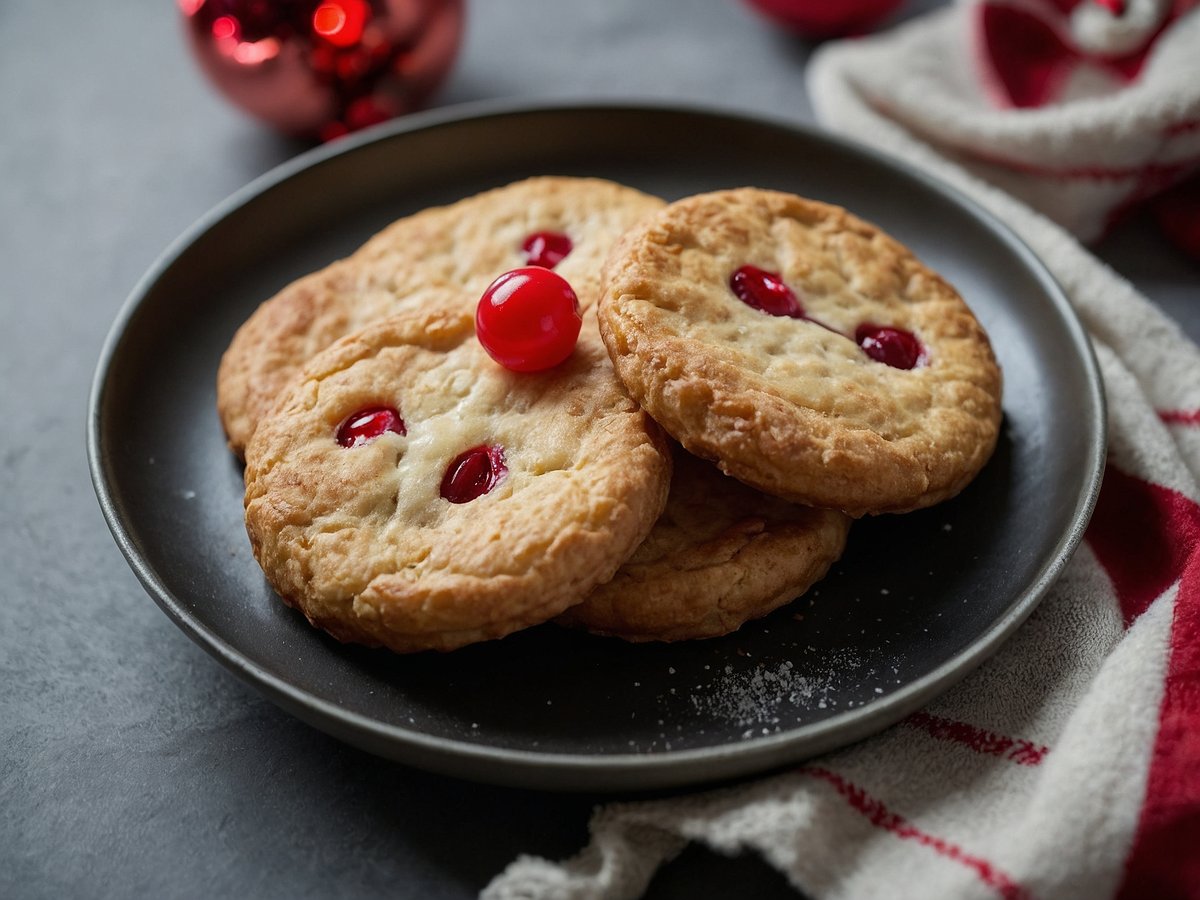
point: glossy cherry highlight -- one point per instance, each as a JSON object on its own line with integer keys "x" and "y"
{"x": 528, "y": 319}
{"x": 341, "y": 22}
{"x": 765, "y": 291}
{"x": 367, "y": 424}
{"x": 473, "y": 473}
{"x": 895, "y": 347}
{"x": 546, "y": 248}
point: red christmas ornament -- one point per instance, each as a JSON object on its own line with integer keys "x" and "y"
{"x": 322, "y": 68}
{"x": 827, "y": 18}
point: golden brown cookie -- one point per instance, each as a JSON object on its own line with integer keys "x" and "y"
{"x": 720, "y": 555}
{"x": 406, "y": 491}
{"x": 466, "y": 245}
{"x": 808, "y": 353}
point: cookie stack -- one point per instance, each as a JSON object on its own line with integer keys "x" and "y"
{"x": 404, "y": 490}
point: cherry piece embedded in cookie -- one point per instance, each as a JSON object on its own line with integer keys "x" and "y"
{"x": 546, "y": 248}
{"x": 367, "y": 424}
{"x": 528, "y": 319}
{"x": 473, "y": 473}
{"x": 765, "y": 291}
{"x": 896, "y": 347}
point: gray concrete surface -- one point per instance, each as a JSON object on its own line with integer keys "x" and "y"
{"x": 131, "y": 764}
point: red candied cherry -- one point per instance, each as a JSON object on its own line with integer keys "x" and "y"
{"x": 528, "y": 319}
{"x": 367, "y": 424}
{"x": 765, "y": 291}
{"x": 473, "y": 473}
{"x": 896, "y": 347}
{"x": 546, "y": 248}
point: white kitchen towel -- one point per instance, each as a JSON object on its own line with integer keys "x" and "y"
{"x": 1080, "y": 113}
{"x": 1067, "y": 766}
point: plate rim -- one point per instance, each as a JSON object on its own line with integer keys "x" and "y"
{"x": 616, "y": 771}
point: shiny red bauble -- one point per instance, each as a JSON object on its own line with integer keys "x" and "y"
{"x": 528, "y": 319}
{"x": 322, "y": 68}
{"x": 827, "y": 18}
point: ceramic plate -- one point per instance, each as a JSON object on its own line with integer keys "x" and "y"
{"x": 914, "y": 605}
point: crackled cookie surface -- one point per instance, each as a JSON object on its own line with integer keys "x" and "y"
{"x": 406, "y": 491}
{"x": 720, "y": 555}
{"x": 568, "y": 224}
{"x": 808, "y": 353}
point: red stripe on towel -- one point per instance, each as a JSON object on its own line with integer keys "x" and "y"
{"x": 1185, "y": 127}
{"x": 1143, "y": 535}
{"x": 1180, "y": 416}
{"x": 881, "y": 817}
{"x": 1159, "y": 172}
{"x": 1164, "y": 861}
{"x": 1017, "y": 750}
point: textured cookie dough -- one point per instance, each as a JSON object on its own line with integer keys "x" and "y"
{"x": 361, "y": 540}
{"x": 792, "y": 408}
{"x": 466, "y": 244}
{"x": 720, "y": 555}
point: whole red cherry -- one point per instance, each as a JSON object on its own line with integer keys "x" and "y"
{"x": 826, "y": 18}
{"x": 528, "y": 319}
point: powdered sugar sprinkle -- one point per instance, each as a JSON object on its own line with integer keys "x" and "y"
{"x": 757, "y": 697}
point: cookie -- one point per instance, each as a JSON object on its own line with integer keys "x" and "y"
{"x": 569, "y": 223}
{"x": 808, "y": 353}
{"x": 720, "y": 555}
{"x": 408, "y": 492}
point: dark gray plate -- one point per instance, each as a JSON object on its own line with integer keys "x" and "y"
{"x": 915, "y": 604}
